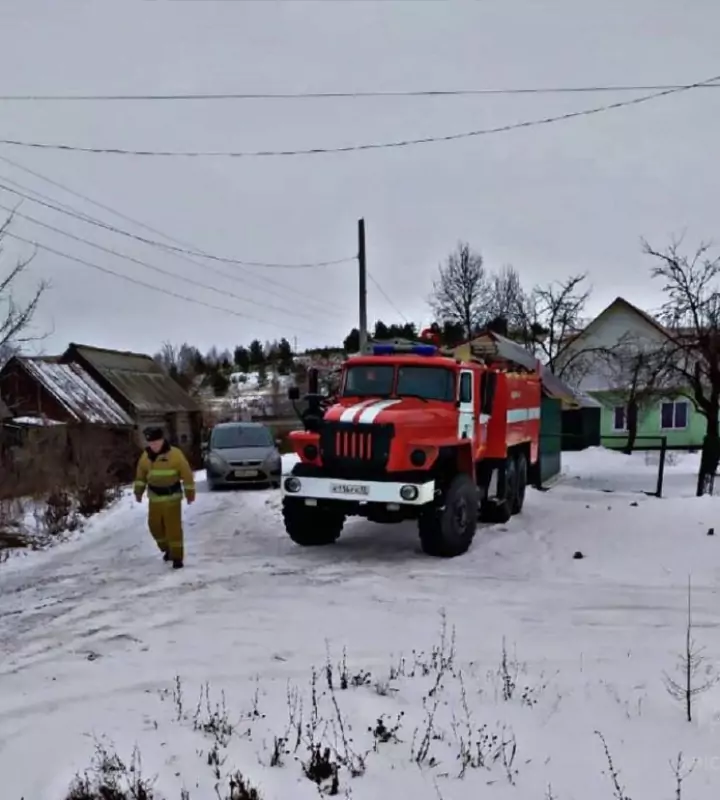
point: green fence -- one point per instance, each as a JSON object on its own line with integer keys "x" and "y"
{"x": 550, "y": 439}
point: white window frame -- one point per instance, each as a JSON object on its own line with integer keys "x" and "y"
{"x": 614, "y": 409}
{"x": 675, "y": 403}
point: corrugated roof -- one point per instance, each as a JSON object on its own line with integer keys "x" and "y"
{"x": 498, "y": 346}
{"x": 555, "y": 387}
{"x": 76, "y": 391}
{"x": 139, "y": 378}
{"x": 494, "y": 344}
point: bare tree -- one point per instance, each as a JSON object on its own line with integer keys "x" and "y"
{"x": 16, "y": 317}
{"x": 552, "y": 316}
{"x": 638, "y": 372}
{"x": 460, "y": 295}
{"x": 691, "y": 317}
{"x": 180, "y": 362}
{"x": 507, "y": 300}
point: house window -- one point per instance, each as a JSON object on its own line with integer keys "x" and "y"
{"x": 674, "y": 415}
{"x": 620, "y": 418}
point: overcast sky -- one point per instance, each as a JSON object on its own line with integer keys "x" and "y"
{"x": 551, "y": 200}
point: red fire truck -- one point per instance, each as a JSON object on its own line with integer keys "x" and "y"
{"x": 415, "y": 434}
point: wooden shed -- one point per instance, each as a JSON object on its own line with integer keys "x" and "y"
{"x": 59, "y": 410}
{"x": 143, "y": 389}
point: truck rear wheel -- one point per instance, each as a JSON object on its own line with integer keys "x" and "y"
{"x": 448, "y": 531}
{"x": 499, "y": 509}
{"x": 311, "y": 526}
{"x": 521, "y": 472}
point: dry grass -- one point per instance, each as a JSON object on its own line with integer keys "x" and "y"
{"x": 56, "y": 478}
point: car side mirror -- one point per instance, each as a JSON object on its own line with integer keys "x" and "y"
{"x": 293, "y": 393}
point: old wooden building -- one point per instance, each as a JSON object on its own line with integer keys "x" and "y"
{"x": 145, "y": 392}
{"x": 58, "y": 410}
{"x": 43, "y": 389}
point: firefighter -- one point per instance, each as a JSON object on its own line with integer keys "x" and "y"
{"x": 164, "y": 471}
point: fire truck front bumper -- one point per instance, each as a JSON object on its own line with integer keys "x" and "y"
{"x": 383, "y": 492}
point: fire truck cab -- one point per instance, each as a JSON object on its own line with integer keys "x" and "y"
{"x": 415, "y": 434}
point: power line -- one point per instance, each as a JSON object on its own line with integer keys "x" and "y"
{"x": 201, "y": 254}
{"x": 223, "y": 96}
{"x": 149, "y": 266}
{"x": 387, "y": 298}
{"x": 94, "y": 220}
{"x": 138, "y": 282}
{"x": 166, "y": 248}
{"x": 401, "y": 143}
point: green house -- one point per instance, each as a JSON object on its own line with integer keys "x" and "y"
{"x": 612, "y": 361}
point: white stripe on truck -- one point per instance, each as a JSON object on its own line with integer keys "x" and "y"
{"x": 371, "y": 413}
{"x": 523, "y": 414}
{"x": 349, "y": 414}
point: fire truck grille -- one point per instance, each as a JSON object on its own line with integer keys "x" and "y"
{"x": 355, "y": 450}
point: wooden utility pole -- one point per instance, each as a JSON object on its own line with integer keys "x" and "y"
{"x": 362, "y": 285}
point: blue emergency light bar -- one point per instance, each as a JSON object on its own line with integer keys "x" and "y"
{"x": 414, "y": 350}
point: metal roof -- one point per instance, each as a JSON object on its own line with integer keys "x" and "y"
{"x": 138, "y": 378}
{"x": 498, "y": 346}
{"x": 556, "y": 387}
{"x": 494, "y": 345}
{"x": 83, "y": 398}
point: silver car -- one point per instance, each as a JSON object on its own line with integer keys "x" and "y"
{"x": 242, "y": 453}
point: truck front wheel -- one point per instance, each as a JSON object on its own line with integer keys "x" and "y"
{"x": 311, "y": 526}
{"x": 448, "y": 531}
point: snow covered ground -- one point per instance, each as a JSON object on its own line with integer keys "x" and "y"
{"x": 103, "y": 646}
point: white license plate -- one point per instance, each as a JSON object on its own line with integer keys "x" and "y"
{"x": 246, "y": 473}
{"x": 350, "y": 489}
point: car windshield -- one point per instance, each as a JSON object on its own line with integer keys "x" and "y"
{"x": 430, "y": 383}
{"x": 369, "y": 381}
{"x": 224, "y": 438}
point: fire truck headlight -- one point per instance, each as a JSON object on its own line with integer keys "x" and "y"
{"x": 292, "y": 485}
{"x": 409, "y": 492}
{"x": 310, "y": 452}
{"x": 418, "y": 458}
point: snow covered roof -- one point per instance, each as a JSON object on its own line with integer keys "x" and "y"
{"x": 76, "y": 391}
{"x": 36, "y": 422}
{"x": 135, "y": 376}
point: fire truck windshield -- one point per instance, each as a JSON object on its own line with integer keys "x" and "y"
{"x": 427, "y": 383}
{"x": 369, "y": 381}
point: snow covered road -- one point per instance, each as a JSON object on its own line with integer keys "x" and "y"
{"x": 91, "y": 632}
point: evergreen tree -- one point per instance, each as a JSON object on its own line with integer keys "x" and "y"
{"x": 285, "y": 357}
{"x": 257, "y": 354}
{"x": 241, "y": 357}
{"x": 220, "y": 383}
{"x": 352, "y": 341}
